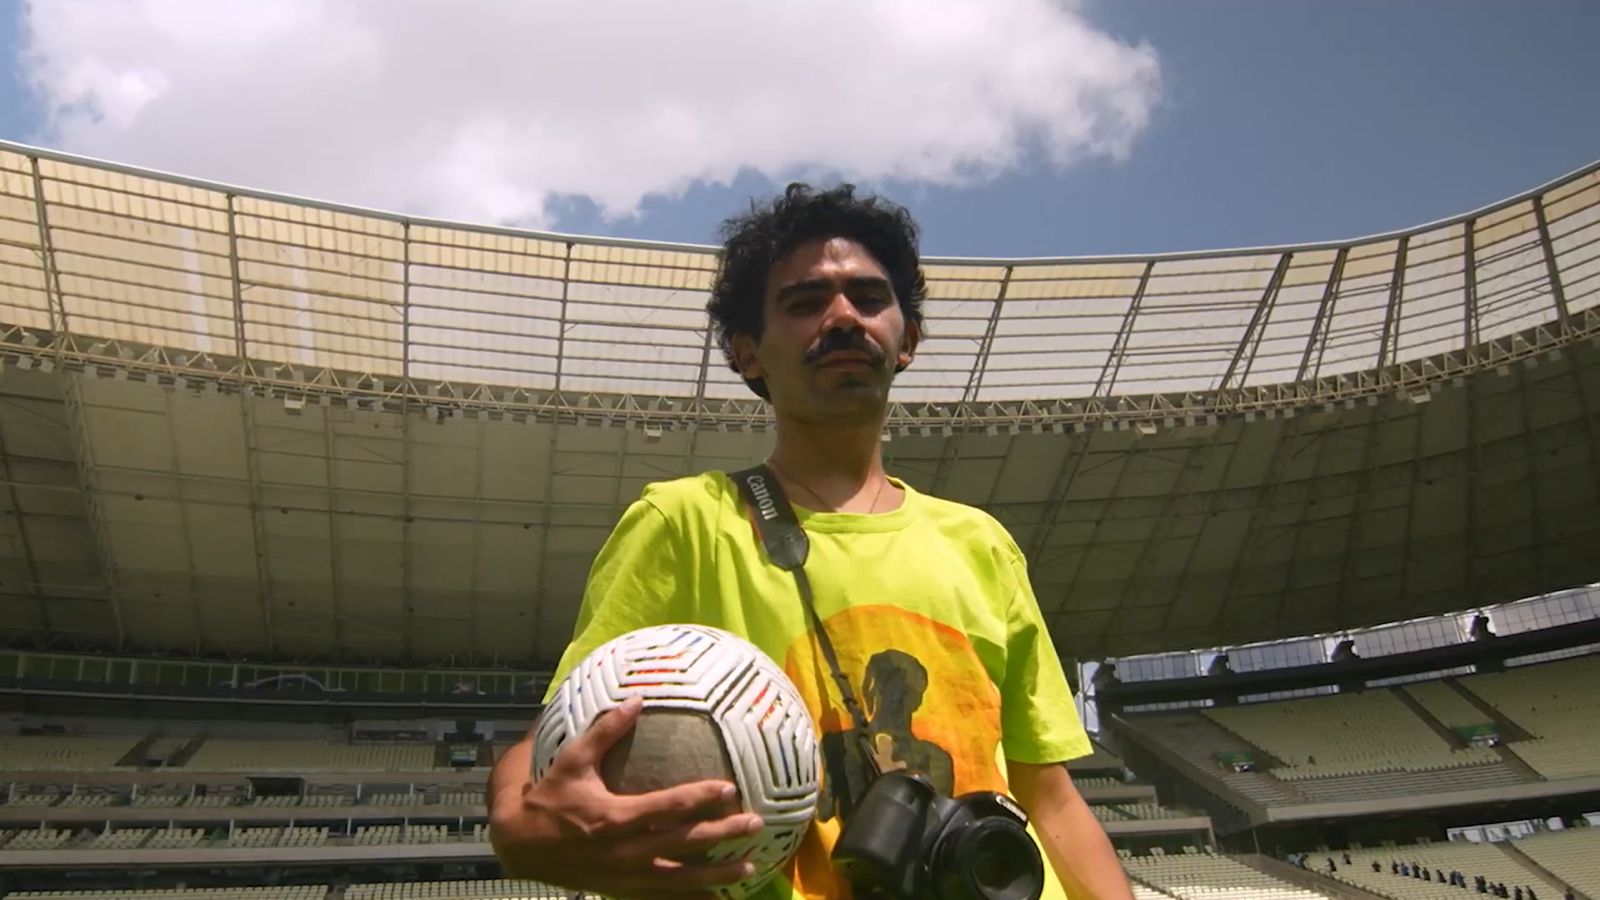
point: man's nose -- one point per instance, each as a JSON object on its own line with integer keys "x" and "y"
{"x": 841, "y": 313}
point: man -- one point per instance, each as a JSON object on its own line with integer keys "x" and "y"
{"x": 817, "y": 305}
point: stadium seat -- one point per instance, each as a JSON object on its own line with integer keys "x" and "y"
{"x": 54, "y": 753}
{"x": 1197, "y": 876}
{"x": 1468, "y": 858}
{"x": 1557, "y": 704}
{"x": 1345, "y": 734}
{"x": 1572, "y": 855}
{"x": 239, "y": 755}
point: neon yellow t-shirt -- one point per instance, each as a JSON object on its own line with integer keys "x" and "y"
{"x": 929, "y": 609}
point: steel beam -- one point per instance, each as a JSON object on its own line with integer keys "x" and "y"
{"x": 333, "y": 536}
{"x": 76, "y": 424}
{"x": 408, "y": 597}
{"x": 980, "y": 364}
{"x": 1532, "y": 480}
{"x": 1070, "y": 464}
{"x": 1391, "y": 309}
{"x": 55, "y": 305}
{"x": 183, "y": 523}
{"x": 83, "y": 454}
{"x": 1094, "y": 530}
{"x": 1210, "y": 506}
{"x": 1298, "y": 530}
{"x": 1563, "y": 315}
{"x": 1469, "y": 579}
{"x": 369, "y": 391}
{"x": 1107, "y": 380}
{"x": 1591, "y": 418}
{"x": 1411, "y": 504}
{"x": 27, "y": 544}
{"x": 258, "y": 529}
{"x": 1057, "y": 496}
{"x": 547, "y": 516}
{"x": 1317, "y": 341}
{"x": 1469, "y": 310}
{"x": 1251, "y": 339}
{"x": 691, "y": 446}
{"x": 474, "y": 617}
{"x": 1353, "y": 527}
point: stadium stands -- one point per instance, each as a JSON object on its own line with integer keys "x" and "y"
{"x": 39, "y": 839}
{"x": 256, "y": 837}
{"x": 89, "y": 799}
{"x": 392, "y": 799}
{"x": 1345, "y": 734}
{"x": 304, "y": 837}
{"x": 1468, "y": 859}
{"x": 1445, "y": 704}
{"x": 1572, "y": 855}
{"x": 156, "y": 799}
{"x": 1383, "y": 743}
{"x": 40, "y": 797}
{"x": 488, "y": 889}
{"x": 120, "y": 839}
{"x": 1206, "y": 876}
{"x": 1123, "y": 812}
{"x": 268, "y": 892}
{"x": 1556, "y": 703}
{"x": 1198, "y": 742}
{"x": 1381, "y": 785}
{"x": 176, "y": 839}
{"x": 369, "y": 835}
{"x": 238, "y": 755}
{"x": 51, "y": 753}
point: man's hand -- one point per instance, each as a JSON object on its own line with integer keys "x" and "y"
{"x": 569, "y": 830}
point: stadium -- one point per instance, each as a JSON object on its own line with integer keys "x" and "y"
{"x": 300, "y": 499}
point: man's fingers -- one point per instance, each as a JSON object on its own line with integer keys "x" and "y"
{"x": 676, "y": 876}
{"x": 696, "y": 839}
{"x": 587, "y": 749}
{"x": 681, "y": 803}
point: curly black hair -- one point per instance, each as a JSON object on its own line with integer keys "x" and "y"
{"x": 754, "y": 243}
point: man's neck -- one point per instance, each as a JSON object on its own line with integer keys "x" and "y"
{"x": 840, "y": 468}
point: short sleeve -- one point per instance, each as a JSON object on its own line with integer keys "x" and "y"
{"x": 638, "y": 579}
{"x": 1039, "y": 720}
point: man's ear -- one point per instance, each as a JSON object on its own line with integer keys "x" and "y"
{"x": 908, "y": 346}
{"x": 743, "y": 347}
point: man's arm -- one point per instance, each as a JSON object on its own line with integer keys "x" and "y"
{"x": 1073, "y": 840}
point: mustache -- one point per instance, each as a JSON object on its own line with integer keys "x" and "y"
{"x": 842, "y": 341}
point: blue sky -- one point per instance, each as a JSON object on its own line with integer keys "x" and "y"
{"x": 1280, "y": 121}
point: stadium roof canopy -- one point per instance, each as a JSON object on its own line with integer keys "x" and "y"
{"x": 234, "y": 422}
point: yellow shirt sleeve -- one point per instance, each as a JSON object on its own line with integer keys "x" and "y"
{"x": 1039, "y": 720}
{"x": 638, "y": 579}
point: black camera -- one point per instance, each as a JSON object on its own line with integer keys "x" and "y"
{"x": 906, "y": 841}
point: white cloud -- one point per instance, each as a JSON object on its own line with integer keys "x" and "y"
{"x": 485, "y": 110}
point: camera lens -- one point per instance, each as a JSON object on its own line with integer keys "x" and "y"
{"x": 994, "y": 860}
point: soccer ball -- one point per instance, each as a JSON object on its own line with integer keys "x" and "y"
{"x": 716, "y": 707}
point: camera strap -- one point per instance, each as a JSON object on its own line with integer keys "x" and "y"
{"x": 787, "y": 546}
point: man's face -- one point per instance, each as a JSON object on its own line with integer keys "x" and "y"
{"x": 833, "y": 334}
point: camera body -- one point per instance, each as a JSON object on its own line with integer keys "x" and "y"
{"x": 905, "y": 840}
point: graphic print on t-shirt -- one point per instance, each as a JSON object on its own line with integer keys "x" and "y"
{"x": 930, "y": 705}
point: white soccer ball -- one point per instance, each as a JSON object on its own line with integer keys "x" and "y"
{"x": 716, "y": 707}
